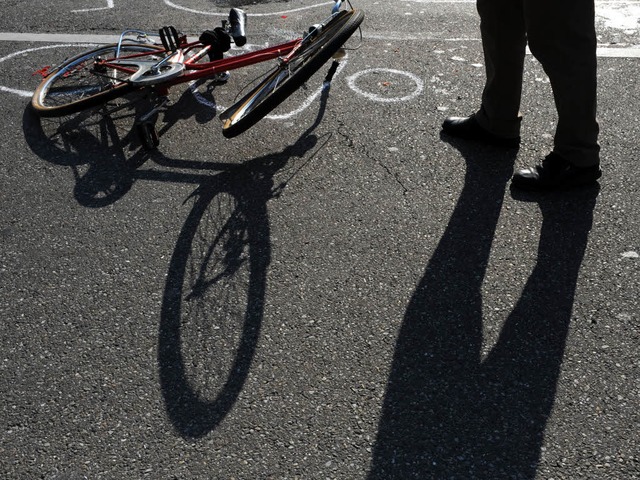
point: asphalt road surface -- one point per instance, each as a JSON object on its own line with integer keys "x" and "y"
{"x": 338, "y": 293}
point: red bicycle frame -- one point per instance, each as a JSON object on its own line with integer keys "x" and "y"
{"x": 195, "y": 71}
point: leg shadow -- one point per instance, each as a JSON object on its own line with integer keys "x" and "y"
{"x": 446, "y": 414}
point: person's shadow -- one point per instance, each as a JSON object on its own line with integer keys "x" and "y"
{"x": 447, "y": 413}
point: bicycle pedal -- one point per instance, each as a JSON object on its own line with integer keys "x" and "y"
{"x": 170, "y": 38}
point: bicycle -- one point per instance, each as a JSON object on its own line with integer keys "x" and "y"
{"x": 98, "y": 76}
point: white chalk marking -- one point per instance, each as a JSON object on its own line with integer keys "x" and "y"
{"x": 308, "y": 101}
{"x": 20, "y": 93}
{"x": 193, "y": 88}
{"x": 378, "y": 98}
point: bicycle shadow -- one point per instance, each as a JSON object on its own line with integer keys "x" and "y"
{"x": 213, "y": 302}
{"x": 102, "y": 146}
{"x": 447, "y": 413}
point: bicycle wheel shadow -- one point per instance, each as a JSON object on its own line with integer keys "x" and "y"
{"x": 447, "y": 413}
{"x": 214, "y": 298}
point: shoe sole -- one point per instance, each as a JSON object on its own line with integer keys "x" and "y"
{"x": 509, "y": 143}
{"x": 540, "y": 187}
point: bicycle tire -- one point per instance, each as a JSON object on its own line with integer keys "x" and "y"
{"x": 287, "y": 78}
{"x": 73, "y": 86}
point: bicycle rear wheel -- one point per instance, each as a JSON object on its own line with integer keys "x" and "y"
{"x": 78, "y": 84}
{"x": 288, "y": 77}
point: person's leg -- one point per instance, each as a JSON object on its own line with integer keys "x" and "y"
{"x": 562, "y": 37}
{"x": 497, "y": 122}
{"x": 502, "y": 27}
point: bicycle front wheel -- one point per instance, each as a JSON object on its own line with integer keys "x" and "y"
{"x": 84, "y": 81}
{"x": 314, "y": 52}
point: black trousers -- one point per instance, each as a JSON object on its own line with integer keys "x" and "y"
{"x": 561, "y": 36}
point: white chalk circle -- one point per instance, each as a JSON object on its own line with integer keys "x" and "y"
{"x": 352, "y": 80}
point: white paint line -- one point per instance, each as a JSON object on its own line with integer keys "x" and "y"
{"x": 620, "y": 52}
{"x": 604, "y": 52}
{"x": 57, "y": 38}
{"x": 29, "y": 50}
{"x": 226, "y": 14}
{"x": 415, "y": 37}
{"x": 109, "y": 5}
{"x": 15, "y": 91}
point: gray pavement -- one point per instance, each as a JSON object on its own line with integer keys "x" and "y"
{"x": 337, "y": 293}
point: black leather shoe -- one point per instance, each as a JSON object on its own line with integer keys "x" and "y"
{"x": 555, "y": 173}
{"x": 468, "y": 128}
